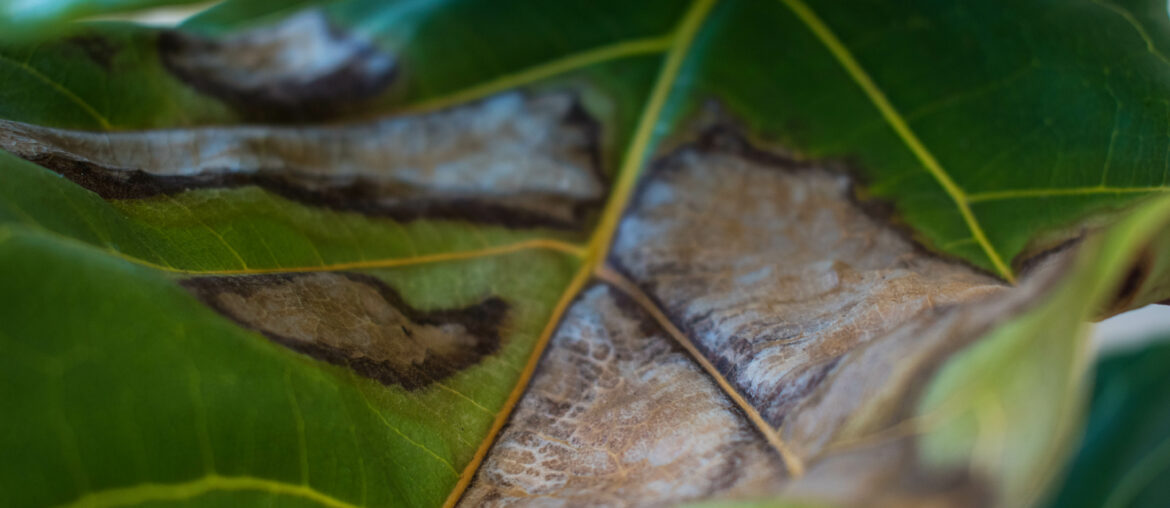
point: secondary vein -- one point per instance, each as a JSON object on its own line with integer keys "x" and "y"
{"x": 1068, "y": 191}
{"x": 74, "y": 98}
{"x": 571, "y": 249}
{"x": 598, "y": 248}
{"x": 148, "y": 492}
{"x": 894, "y": 118}
{"x": 644, "y": 134}
{"x": 624, "y": 49}
{"x": 792, "y": 462}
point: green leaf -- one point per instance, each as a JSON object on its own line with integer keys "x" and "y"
{"x": 1122, "y": 458}
{"x": 1010, "y": 403}
{"x": 142, "y": 389}
{"x": 960, "y": 114}
{"x": 313, "y": 252}
{"x": 25, "y": 19}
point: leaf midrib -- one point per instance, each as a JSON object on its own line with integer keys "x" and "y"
{"x": 598, "y": 248}
{"x": 676, "y": 46}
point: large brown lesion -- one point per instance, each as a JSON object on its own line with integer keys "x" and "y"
{"x": 357, "y": 321}
{"x": 774, "y": 270}
{"x": 826, "y": 318}
{"x": 520, "y": 160}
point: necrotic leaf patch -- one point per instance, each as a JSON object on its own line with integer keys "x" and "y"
{"x": 513, "y": 159}
{"x": 357, "y": 321}
{"x": 303, "y": 68}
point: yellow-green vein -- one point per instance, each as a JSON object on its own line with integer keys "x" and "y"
{"x": 151, "y": 492}
{"x": 680, "y": 42}
{"x": 402, "y": 435}
{"x": 1137, "y": 26}
{"x": 74, "y": 98}
{"x": 896, "y": 121}
{"x": 1069, "y": 191}
{"x": 792, "y": 462}
{"x": 640, "y": 146}
{"x": 570, "y": 249}
{"x": 546, "y": 70}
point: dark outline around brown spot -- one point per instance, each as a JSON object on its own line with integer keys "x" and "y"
{"x": 482, "y": 321}
{"x": 355, "y": 195}
{"x": 328, "y": 96}
{"x": 724, "y": 137}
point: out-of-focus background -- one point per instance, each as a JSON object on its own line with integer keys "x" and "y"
{"x": 1132, "y": 329}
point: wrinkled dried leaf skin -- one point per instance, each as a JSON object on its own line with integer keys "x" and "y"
{"x": 830, "y": 325}
{"x": 823, "y": 316}
{"x": 775, "y": 272}
{"x": 357, "y": 321}
{"x": 301, "y": 68}
{"x": 618, "y": 414}
{"x": 511, "y": 159}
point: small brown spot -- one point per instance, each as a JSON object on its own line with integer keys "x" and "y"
{"x": 357, "y": 321}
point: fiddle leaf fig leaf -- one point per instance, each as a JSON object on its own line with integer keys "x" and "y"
{"x": 422, "y": 253}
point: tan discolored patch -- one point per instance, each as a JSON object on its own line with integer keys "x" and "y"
{"x": 858, "y": 429}
{"x": 887, "y": 475}
{"x": 826, "y": 319}
{"x": 301, "y": 68}
{"x": 513, "y": 159}
{"x": 775, "y": 272}
{"x": 357, "y": 321}
{"x": 618, "y": 415}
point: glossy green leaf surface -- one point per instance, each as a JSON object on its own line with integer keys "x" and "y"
{"x": 140, "y": 384}
{"x": 313, "y": 252}
{"x": 958, "y": 114}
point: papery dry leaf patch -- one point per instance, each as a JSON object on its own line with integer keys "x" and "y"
{"x": 368, "y": 254}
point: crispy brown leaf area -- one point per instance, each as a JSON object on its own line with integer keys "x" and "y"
{"x": 357, "y": 321}
{"x": 515, "y": 159}
{"x": 775, "y": 272}
{"x": 619, "y": 415}
{"x": 829, "y": 322}
{"x": 301, "y": 68}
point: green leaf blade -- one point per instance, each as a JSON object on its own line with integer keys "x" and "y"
{"x": 179, "y": 395}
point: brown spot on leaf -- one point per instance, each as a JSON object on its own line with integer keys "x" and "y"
{"x": 357, "y": 321}
{"x": 303, "y": 68}
{"x": 513, "y": 159}
{"x": 619, "y": 415}
{"x": 773, "y": 270}
{"x": 888, "y": 475}
{"x": 827, "y": 319}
